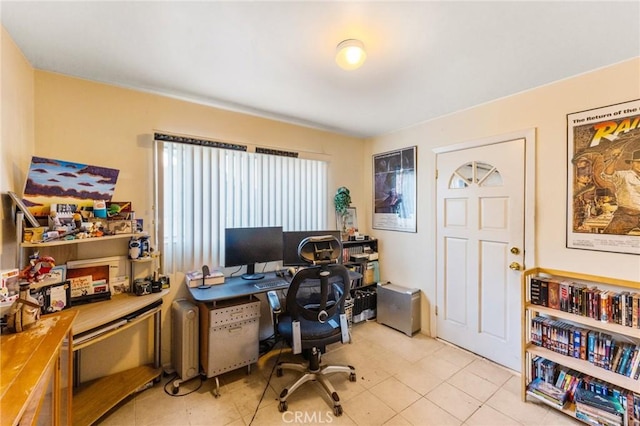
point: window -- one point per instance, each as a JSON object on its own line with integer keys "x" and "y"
{"x": 476, "y": 172}
{"x": 201, "y": 190}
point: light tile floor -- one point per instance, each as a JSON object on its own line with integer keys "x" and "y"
{"x": 400, "y": 381}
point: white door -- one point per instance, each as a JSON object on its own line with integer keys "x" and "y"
{"x": 480, "y": 215}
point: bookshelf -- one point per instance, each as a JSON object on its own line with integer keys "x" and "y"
{"x": 356, "y": 255}
{"x": 555, "y": 330}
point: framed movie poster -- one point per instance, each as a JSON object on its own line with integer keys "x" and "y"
{"x": 394, "y": 188}
{"x": 603, "y": 179}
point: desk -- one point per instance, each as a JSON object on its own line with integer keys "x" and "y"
{"x": 101, "y": 320}
{"x": 238, "y": 287}
{"x": 31, "y": 362}
{"x": 233, "y": 287}
{"x": 221, "y": 351}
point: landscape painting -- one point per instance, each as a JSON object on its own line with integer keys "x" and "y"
{"x": 56, "y": 181}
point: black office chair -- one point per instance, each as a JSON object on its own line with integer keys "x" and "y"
{"x": 315, "y": 300}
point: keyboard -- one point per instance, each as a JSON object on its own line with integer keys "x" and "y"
{"x": 271, "y": 284}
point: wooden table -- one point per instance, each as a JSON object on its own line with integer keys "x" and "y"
{"x": 29, "y": 362}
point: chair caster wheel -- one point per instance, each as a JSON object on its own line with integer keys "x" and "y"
{"x": 337, "y": 410}
{"x": 282, "y": 407}
{"x": 352, "y": 377}
{"x": 279, "y": 372}
{"x": 174, "y": 390}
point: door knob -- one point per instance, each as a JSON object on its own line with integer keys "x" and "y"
{"x": 515, "y": 266}
{"x": 515, "y": 250}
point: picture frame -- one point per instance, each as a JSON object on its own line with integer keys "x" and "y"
{"x": 603, "y": 148}
{"x": 394, "y": 188}
{"x": 348, "y": 224}
{"x": 53, "y": 297}
{"x": 27, "y": 213}
{"x": 51, "y": 180}
{"x": 57, "y": 275}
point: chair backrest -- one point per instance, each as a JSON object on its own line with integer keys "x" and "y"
{"x": 318, "y": 292}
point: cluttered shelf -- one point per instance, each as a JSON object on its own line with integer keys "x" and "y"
{"x": 578, "y": 364}
{"x": 581, "y": 344}
{"x": 79, "y": 240}
{"x": 361, "y": 256}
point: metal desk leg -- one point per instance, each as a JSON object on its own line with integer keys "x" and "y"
{"x": 216, "y": 390}
{"x": 76, "y": 368}
{"x": 157, "y": 320}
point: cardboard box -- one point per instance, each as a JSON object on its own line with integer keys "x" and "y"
{"x": 119, "y": 210}
{"x": 9, "y": 285}
{"x": 121, "y": 226}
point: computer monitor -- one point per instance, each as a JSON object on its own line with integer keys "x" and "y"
{"x": 291, "y": 240}
{"x": 248, "y": 246}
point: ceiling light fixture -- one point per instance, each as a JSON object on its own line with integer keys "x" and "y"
{"x": 350, "y": 54}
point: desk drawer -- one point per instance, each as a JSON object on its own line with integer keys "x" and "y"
{"x": 231, "y": 346}
{"x": 232, "y": 311}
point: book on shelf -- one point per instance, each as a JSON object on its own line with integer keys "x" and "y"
{"x": 553, "y": 291}
{"x": 635, "y": 364}
{"x": 599, "y": 348}
{"x": 545, "y": 398}
{"x": 624, "y": 359}
{"x": 609, "y": 306}
{"x": 539, "y": 291}
{"x": 600, "y": 401}
{"x": 564, "y": 296}
{"x": 567, "y": 380}
{"x": 544, "y": 369}
{"x": 632, "y": 401}
{"x": 539, "y": 387}
{"x": 597, "y": 419}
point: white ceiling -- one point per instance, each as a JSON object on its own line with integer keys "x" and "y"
{"x": 276, "y": 59}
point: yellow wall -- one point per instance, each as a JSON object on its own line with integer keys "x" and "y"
{"x": 16, "y": 135}
{"x": 544, "y": 109}
{"x": 92, "y": 123}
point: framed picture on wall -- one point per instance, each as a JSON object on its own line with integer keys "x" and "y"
{"x": 348, "y": 224}
{"x": 603, "y": 178}
{"x": 394, "y": 188}
{"x": 21, "y": 206}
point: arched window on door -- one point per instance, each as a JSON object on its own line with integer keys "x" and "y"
{"x": 475, "y": 173}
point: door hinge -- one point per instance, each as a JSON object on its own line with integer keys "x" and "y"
{"x": 436, "y": 173}
{"x": 436, "y": 310}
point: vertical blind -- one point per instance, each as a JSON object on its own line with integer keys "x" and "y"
{"x": 203, "y": 190}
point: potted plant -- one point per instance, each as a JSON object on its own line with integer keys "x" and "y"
{"x": 342, "y": 201}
